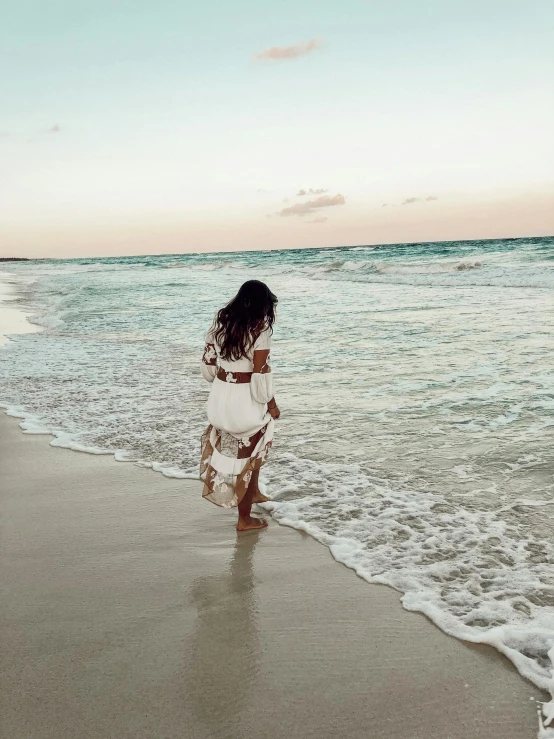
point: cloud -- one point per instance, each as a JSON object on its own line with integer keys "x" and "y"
{"x": 4, "y": 134}
{"x": 281, "y": 53}
{"x": 409, "y": 201}
{"x": 321, "y": 219}
{"x": 302, "y": 209}
{"x": 54, "y": 129}
{"x": 311, "y": 191}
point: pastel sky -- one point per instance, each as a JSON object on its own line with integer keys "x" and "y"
{"x": 133, "y": 126}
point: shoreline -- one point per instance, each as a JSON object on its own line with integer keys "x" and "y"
{"x": 13, "y": 319}
{"x": 128, "y": 599}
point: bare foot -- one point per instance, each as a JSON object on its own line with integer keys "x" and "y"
{"x": 251, "y": 523}
{"x": 259, "y": 497}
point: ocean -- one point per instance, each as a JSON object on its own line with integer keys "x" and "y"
{"x": 416, "y": 386}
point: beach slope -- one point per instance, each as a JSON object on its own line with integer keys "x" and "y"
{"x": 131, "y": 609}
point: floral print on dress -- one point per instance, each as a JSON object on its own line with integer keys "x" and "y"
{"x": 210, "y": 355}
{"x": 225, "y": 489}
{"x": 229, "y": 445}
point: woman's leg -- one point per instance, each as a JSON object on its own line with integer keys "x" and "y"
{"x": 258, "y": 496}
{"x": 246, "y": 521}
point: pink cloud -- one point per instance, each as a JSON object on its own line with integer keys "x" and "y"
{"x": 321, "y": 219}
{"x": 409, "y": 201}
{"x": 301, "y": 209}
{"x": 280, "y": 53}
{"x": 54, "y": 129}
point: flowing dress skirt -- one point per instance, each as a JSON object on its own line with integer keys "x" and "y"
{"x": 235, "y": 444}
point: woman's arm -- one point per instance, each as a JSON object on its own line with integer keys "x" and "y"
{"x": 261, "y": 361}
{"x": 262, "y": 382}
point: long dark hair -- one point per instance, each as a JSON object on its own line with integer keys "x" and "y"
{"x": 237, "y": 326}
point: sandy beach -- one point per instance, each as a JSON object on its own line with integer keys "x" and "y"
{"x": 132, "y": 609}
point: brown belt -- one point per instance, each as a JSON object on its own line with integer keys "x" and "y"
{"x": 238, "y": 377}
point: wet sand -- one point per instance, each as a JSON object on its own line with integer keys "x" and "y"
{"x": 131, "y": 609}
{"x": 13, "y": 320}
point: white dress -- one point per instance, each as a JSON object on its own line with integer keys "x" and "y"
{"x": 240, "y": 433}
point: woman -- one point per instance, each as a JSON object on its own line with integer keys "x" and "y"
{"x": 241, "y": 406}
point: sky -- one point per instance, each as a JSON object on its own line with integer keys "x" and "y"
{"x": 133, "y": 127}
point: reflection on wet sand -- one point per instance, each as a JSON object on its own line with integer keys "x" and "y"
{"x": 224, "y": 652}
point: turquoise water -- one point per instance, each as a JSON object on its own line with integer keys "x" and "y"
{"x": 416, "y": 384}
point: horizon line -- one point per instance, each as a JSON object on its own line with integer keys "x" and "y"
{"x": 283, "y": 248}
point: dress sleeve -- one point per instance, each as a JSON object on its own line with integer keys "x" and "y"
{"x": 261, "y": 385}
{"x": 263, "y": 342}
{"x": 209, "y": 360}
